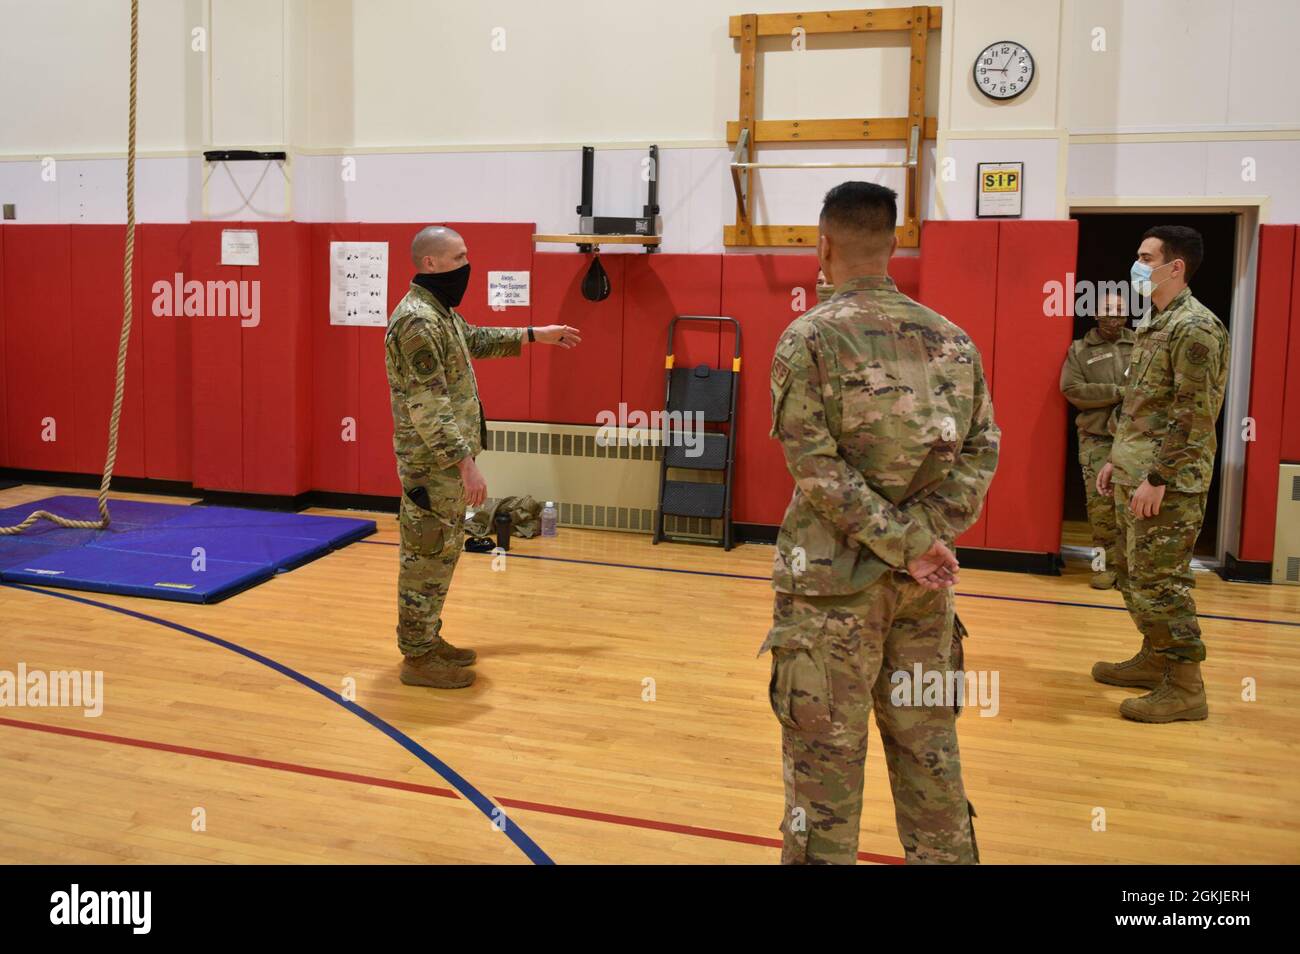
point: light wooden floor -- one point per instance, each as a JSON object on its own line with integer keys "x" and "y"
{"x": 557, "y": 731}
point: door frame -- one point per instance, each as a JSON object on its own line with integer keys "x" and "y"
{"x": 1250, "y": 211}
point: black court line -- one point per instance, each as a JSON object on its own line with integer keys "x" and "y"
{"x": 767, "y": 579}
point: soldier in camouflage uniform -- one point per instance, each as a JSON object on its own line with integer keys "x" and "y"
{"x": 882, "y": 412}
{"x": 438, "y": 430}
{"x": 1159, "y": 474}
{"x": 1092, "y": 379}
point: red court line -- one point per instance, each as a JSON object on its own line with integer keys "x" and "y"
{"x": 627, "y": 821}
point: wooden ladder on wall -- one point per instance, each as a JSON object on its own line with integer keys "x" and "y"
{"x": 750, "y": 130}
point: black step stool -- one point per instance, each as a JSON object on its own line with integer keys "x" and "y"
{"x": 710, "y": 392}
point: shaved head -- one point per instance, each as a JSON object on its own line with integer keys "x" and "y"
{"x": 438, "y": 249}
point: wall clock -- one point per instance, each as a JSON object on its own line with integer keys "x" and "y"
{"x": 1003, "y": 70}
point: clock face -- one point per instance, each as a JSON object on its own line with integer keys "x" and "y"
{"x": 1003, "y": 70}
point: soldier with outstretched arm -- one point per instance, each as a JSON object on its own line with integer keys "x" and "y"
{"x": 439, "y": 427}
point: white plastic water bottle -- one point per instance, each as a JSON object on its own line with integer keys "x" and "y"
{"x": 550, "y": 519}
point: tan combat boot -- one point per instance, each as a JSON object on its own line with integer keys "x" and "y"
{"x": 1181, "y": 696}
{"x": 449, "y": 654}
{"x": 1143, "y": 671}
{"x": 1105, "y": 580}
{"x": 429, "y": 670}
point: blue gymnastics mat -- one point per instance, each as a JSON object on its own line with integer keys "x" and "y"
{"x": 166, "y": 551}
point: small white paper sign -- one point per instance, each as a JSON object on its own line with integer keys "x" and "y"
{"x": 508, "y": 289}
{"x": 239, "y": 247}
{"x": 359, "y": 284}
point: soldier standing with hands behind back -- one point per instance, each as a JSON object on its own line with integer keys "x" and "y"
{"x": 1092, "y": 379}
{"x": 887, "y": 428}
{"x": 438, "y": 429}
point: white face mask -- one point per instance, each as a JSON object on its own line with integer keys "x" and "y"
{"x": 1140, "y": 277}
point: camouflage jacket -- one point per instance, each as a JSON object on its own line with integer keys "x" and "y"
{"x": 437, "y": 416}
{"x": 1172, "y": 397}
{"x": 1092, "y": 379}
{"x": 882, "y": 412}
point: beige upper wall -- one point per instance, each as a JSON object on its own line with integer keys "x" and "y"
{"x": 973, "y": 25}
{"x": 571, "y": 71}
{"x": 1183, "y": 65}
{"x": 64, "y": 67}
{"x": 370, "y": 74}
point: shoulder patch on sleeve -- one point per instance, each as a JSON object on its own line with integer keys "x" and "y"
{"x": 780, "y": 371}
{"x": 423, "y": 361}
{"x": 1197, "y": 353}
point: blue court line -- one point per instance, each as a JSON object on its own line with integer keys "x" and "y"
{"x": 768, "y": 579}
{"x": 516, "y": 834}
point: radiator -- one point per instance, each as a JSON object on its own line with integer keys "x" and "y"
{"x": 1286, "y": 538}
{"x": 613, "y": 487}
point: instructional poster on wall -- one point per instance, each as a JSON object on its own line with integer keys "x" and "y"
{"x": 359, "y": 284}
{"x": 508, "y": 289}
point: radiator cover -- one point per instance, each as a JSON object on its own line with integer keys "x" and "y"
{"x": 614, "y": 487}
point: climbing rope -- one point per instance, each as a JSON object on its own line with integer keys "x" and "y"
{"x": 127, "y": 300}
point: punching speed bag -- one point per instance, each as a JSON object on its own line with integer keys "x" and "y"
{"x": 595, "y": 285}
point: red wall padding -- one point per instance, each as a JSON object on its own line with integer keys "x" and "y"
{"x": 905, "y": 270}
{"x": 1291, "y": 398}
{"x": 1268, "y": 381}
{"x": 97, "y": 328}
{"x": 4, "y": 419}
{"x": 758, "y": 291}
{"x": 572, "y": 386}
{"x": 503, "y": 383}
{"x": 39, "y": 346}
{"x": 216, "y": 373}
{"x": 337, "y": 421}
{"x": 660, "y": 287}
{"x": 262, "y": 409}
{"x": 959, "y": 280}
{"x": 277, "y": 371}
{"x": 1025, "y": 502}
{"x": 162, "y": 251}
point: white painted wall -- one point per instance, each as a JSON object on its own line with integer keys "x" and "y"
{"x": 443, "y": 127}
{"x": 1183, "y": 65}
{"x": 64, "y": 76}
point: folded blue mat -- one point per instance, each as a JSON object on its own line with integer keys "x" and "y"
{"x": 167, "y": 551}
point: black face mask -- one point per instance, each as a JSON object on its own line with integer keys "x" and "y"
{"x": 447, "y": 287}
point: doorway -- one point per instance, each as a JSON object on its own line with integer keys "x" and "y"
{"x": 1108, "y": 243}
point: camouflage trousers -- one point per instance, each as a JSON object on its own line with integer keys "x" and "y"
{"x": 1094, "y": 452}
{"x": 1154, "y": 571}
{"x": 832, "y": 662}
{"x": 432, "y": 541}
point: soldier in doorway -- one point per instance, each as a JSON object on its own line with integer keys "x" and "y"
{"x": 1092, "y": 379}
{"x": 1159, "y": 472}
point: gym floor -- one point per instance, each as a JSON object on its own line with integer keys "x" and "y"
{"x": 272, "y": 727}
